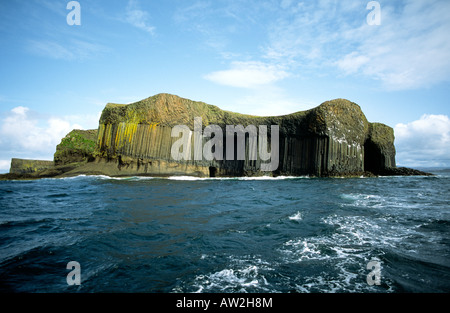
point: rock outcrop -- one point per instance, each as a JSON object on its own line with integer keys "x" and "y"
{"x": 333, "y": 139}
{"x": 76, "y": 146}
{"x": 25, "y": 166}
{"x": 169, "y": 135}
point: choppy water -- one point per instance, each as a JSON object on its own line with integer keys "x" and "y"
{"x": 226, "y": 235}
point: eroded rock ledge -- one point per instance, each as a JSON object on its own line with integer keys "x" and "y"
{"x": 333, "y": 139}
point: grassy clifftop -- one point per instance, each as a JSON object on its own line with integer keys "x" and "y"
{"x": 170, "y": 110}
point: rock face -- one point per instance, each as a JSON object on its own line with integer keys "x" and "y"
{"x": 332, "y": 139}
{"x": 24, "y": 166}
{"x": 379, "y": 149}
{"x": 169, "y": 135}
{"x": 77, "y": 146}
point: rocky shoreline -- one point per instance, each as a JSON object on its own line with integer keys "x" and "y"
{"x": 73, "y": 170}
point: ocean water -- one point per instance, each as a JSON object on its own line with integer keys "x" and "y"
{"x": 265, "y": 235}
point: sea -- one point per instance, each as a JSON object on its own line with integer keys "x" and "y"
{"x": 99, "y": 234}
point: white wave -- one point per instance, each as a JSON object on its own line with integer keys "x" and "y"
{"x": 106, "y": 177}
{"x": 180, "y": 178}
{"x": 296, "y": 217}
{"x": 353, "y": 238}
{"x": 90, "y": 176}
{"x": 363, "y": 200}
{"x": 271, "y": 177}
{"x": 359, "y": 196}
{"x": 194, "y": 178}
{"x": 189, "y": 178}
{"x": 342, "y": 254}
{"x": 300, "y": 250}
{"x": 359, "y": 232}
{"x": 81, "y": 176}
{"x": 230, "y": 279}
{"x": 242, "y": 273}
{"x": 74, "y": 177}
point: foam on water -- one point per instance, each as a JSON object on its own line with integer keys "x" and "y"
{"x": 296, "y": 217}
{"x": 242, "y": 274}
{"x": 251, "y": 178}
{"x": 355, "y": 241}
{"x": 363, "y": 200}
{"x": 181, "y": 178}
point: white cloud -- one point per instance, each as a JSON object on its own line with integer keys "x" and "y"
{"x": 352, "y": 62}
{"x": 424, "y": 142}
{"x": 248, "y": 75}
{"x": 21, "y": 133}
{"x": 20, "y": 110}
{"x": 5, "y": 166}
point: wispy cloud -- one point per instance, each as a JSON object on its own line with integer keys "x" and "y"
{"x": 71, "y": 49}
{"x": 410, "y": 49}
{"x": 220, "y": 25}
{"x": 48, "y": 35}
{"x": 138, "y": 17}
{"x": 50, "y": 49}
{"x": 307, "y": 33}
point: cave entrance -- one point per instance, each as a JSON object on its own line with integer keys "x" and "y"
{"x": 372, "y": 157}
{"x": 212, "y": 171}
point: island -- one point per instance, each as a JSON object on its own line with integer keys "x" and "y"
{"x": 166, "y": 135}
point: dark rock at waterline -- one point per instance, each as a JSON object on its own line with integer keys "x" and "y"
{"x": 402, "y": 171}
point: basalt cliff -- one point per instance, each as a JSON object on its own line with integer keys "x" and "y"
{"x": 168, "y": 135}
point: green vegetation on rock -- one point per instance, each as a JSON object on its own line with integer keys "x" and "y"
{"x": 76, "y": 146}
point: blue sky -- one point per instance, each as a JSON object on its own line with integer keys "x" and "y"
{"x": 262, "y": 57}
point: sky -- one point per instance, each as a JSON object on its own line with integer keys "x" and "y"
{"x": 60, "y": 65}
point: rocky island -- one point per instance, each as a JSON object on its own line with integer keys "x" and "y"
{"x": 138, "y": 139}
